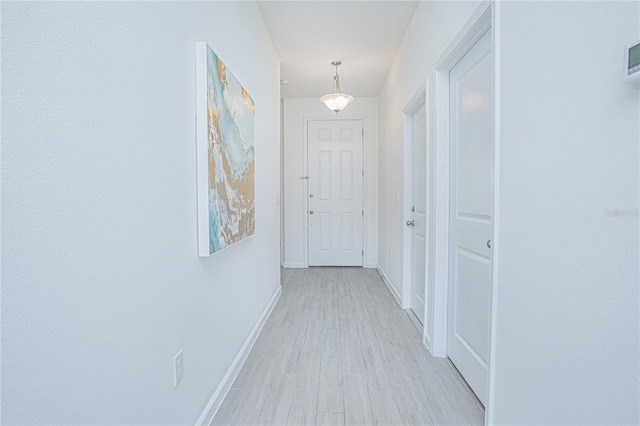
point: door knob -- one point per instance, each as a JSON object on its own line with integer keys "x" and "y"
{"x": 310, "y": 195}
{"x": 411, "y": 223}
{"x": 310, "y": 211}
{"x": 489, "y": 243}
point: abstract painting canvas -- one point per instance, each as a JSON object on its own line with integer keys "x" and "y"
{"x": 225, "y": 123}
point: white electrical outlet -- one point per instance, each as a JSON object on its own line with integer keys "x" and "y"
{"x": 178, "y": 368}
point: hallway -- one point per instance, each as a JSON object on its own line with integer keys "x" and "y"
{"x": 337, "y": 349}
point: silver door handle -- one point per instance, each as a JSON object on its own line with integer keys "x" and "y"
{"x": 310, "y": 195}
{"x": 489, "y": 243}
{"x": 411, "y": 223}
{"x": 310, "y": 211}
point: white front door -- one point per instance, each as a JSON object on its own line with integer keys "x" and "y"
{"x": 471, "y": 211}
{"x": 335, "y": 206}
{"x": 419, "y": 213}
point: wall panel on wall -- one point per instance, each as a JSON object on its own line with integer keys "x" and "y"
{"x": 101, "y": 280}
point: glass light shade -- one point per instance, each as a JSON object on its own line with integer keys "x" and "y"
{"x": 336, "y": 101}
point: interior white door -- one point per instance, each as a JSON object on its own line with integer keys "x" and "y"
{"x": 335, "y": 200}
{"x": 418, "y": 222}
{"x": 471, "y": 211}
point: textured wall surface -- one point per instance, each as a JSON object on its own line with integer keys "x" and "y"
{"x": 101, "y": 281}
{"x": 567, "y": 313}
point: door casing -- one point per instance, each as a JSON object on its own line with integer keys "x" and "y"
{"x": 305, "y": 206}
{"x": 486, "y": 18}
{"x": 421, "y": 97}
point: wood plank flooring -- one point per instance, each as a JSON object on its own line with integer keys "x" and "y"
{"x": 338, "y": 350}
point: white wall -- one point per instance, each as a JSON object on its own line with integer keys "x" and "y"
{"x": 295, "y": 111}
{"x": 567, "y": 323}
{"x": 101, "y": 281}
{"x": 433, "y": 27}
{"x": 567, "y": 314}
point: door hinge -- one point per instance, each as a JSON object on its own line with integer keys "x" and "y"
{"x": 362, "y": 172}
{"x": 362, "y": 212}
{"x": 362, "y": 252}
{"x": 363, "y": 133}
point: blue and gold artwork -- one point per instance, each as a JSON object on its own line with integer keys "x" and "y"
{"x": 230, "y": 164}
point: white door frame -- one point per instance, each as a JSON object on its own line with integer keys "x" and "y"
{"x": 486, "y": 18}
{"x": 419, "y": 98}
{"x": 305, "y": 168}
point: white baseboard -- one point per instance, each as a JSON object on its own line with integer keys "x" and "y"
{"x": 427, "y": 342}
{"x": 390, "y": 285}
{"x": 294, "y": 265}
{"x": 221, "y": 392}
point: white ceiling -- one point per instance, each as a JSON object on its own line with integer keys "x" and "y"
{"x": 308, "y": 35}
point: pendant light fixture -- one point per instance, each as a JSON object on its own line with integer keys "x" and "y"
{"x": 336, "y": 101}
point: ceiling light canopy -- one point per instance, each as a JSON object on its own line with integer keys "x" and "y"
{"x": 336, "y": 101}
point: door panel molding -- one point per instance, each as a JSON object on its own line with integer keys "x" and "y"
{"x": 333, "y": 189}
{"x": 419, "y": 100}
{"x": 304, "y": 178}
{"x": 418, "y": 213}
{"x": 471, "y": 193}
{"x": 486, "y": 18}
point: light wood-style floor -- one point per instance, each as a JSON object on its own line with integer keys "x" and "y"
{"x": 338, "y": 350}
